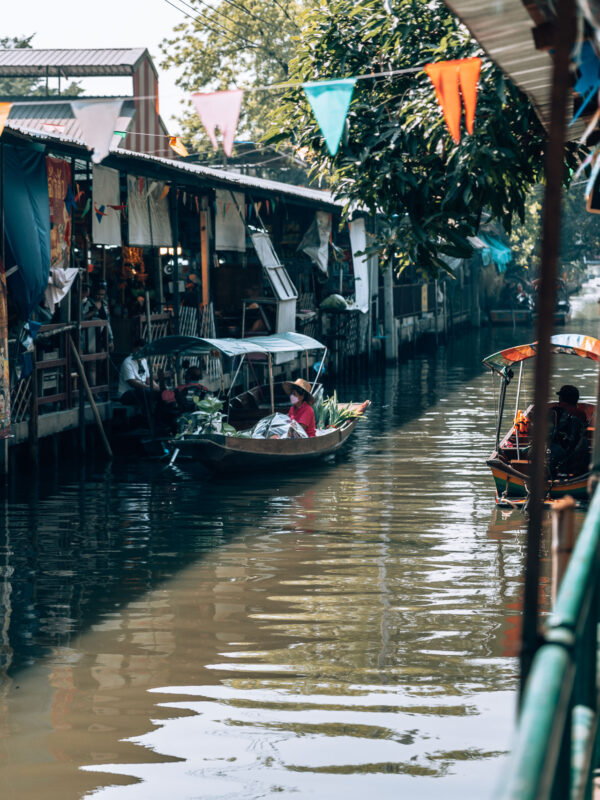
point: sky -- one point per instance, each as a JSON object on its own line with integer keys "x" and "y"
{"x": 108, "y": 23}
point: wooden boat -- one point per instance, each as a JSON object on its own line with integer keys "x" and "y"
{"x": 509, "y": 463}
{"x": 510, "y": 316}
{"x": 231, "y": 453}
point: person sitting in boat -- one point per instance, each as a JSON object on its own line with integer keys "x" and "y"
{"x": 185, "y": 391}
{"x": 568, "y": 448}
{"x": 301, "y": 409}
{"x": 136, "y": 385}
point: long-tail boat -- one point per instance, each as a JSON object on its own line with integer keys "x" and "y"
{"x": 510, "y": 462}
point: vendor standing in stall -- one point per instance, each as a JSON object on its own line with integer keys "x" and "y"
{"x": 301, "y": 401}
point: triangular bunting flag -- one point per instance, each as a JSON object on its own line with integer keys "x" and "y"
{"x": 97, "y": 120}
{"x": 447, "y": 77}
{"x": 468, "y": 76}
{"x": 4, "y": 112}
{"x": 588, "y": 79}
{"x": 330, "y": 101}
{"x": 178, "y": 146}
{"x": 219, "y": 110}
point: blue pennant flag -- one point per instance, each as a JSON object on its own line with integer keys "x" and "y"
{"x": 330, "y": 101}
{"x": 588, "y": 79}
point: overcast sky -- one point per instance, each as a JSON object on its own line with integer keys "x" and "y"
{"x": 106, "y": 23}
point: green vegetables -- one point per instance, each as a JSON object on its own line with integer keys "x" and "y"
{"x": 207, "y": 418}
{"x": 330, "y": 414}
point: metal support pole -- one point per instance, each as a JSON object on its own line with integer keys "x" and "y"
{"x": 271, "y": 387}
{"x": 565, "y": 36}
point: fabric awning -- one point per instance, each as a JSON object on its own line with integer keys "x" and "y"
{"x": 501, "y": 253}
{"x": 288, "y": 342}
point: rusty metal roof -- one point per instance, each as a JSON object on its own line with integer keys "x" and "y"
{"x": 504, "y": 28}
{"x": 25, "y": 62}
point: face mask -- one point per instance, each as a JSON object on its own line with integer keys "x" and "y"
{"x": 294, "y": 399}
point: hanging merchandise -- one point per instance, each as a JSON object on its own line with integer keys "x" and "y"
{"x": 219, "y": 110}
{"x": 450, "y": 80}
{"x": 148, "y": 213}
{"x": 59, "y": 184}
{"x": 106, "y": 195}
{"x": 230, "y": 228}
{"x": 97, "y": 120}
{"x": 27, "y": 227}
{"x": 178, "y": 146}
{"x": 59, "y": 285}
{"x": 315, "y": 242}
{"x": 330, "y": 101}
{"x": 360, "y": 263}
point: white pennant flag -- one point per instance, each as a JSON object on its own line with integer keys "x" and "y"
{"x": 97, "y": 119}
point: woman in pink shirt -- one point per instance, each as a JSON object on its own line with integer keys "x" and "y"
{"x": 301, "y": 408}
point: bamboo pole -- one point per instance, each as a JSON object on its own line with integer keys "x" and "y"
{"x": 564, "y": 38}
{"x": 88, "y": 391}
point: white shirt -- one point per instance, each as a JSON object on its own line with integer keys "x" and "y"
{"x": 132, "y": 369}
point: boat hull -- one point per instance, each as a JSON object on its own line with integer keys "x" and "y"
{"x": 512, "y": 489}
{"x": 229, "y": 453}
{"x": 509, "y": 316}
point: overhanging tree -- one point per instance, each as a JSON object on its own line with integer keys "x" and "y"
{"x": 232, "y": 43}
{"x": 397, "y": 157}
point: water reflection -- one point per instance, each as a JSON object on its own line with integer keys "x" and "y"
{"x": 351, "y": 628}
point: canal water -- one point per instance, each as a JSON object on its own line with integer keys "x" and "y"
{"x": 323, "y": 633}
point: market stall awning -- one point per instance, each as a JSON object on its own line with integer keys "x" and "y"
{"x": 501, "y": 253}
{"x": 574, "y": 344}
{"x": 289, "y": 342}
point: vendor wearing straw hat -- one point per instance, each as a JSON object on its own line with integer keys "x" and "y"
{"x": 301, "y": 409}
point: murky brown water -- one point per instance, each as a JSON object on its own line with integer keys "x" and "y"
{"x": 323, "y": 634}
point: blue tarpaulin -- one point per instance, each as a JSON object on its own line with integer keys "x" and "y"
{"x": 27, "y": 227}
{"x": 501, "y": 253}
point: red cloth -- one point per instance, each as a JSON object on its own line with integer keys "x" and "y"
{"x": 305, "y": 415}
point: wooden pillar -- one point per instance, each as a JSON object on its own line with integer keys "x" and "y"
{"x": 564, "y": 38}
{"x": 391, "y": 340}
{"x": 3, "y": 321}
{"x": 204, "y": 251}
{"x": 175, "y": 232}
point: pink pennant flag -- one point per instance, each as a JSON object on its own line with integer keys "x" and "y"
{"x": 219, "y": 110}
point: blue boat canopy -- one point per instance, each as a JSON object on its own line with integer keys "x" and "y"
{"x": 289, "y": 342}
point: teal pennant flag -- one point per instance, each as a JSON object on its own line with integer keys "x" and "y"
{"x": 330, "y": 101}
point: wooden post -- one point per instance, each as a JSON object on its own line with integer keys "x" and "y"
{"x": 175, "y": 232}
{"x": 271, "y": 387}
{"x": 3, "y": 320}
{"x": 204, "y": 251}
{"x": 564, "y": 38}
{"x": 148, "y": 317}
{"x": 88, "y": 391}
{"x": 563, "y": 539}
{"x": 391, "y": 344}
{"x": 33, "y": 413}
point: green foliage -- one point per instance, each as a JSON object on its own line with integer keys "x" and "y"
{"x": 233, "y": 43}
{"x": 207, "y": 418}
{"x": 397, "y": 157}
{"x": 580, "y": 231}
{"x": 22, "y": 87}
{"x": 329, "y": 413}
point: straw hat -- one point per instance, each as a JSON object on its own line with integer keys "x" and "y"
{"x": 302, "y": 384}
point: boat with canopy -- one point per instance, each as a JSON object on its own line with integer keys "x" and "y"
{"x": 510, "y": 462}
{"x": 224, "y": 451}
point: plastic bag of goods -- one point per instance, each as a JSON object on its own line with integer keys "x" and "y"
{"x": 278, "y": 426}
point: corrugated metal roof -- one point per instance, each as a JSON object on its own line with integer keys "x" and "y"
{"x": 206, "y": 175}
{"x": 25, "y": 62}
{"x": 504, "y": 30}
{"x": 58, "y": 118}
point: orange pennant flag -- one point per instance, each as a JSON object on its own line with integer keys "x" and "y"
{"x": 447, "y": 77}
{"x": 4, "y": 112}
{"x": 468, "y": 75}
{"x": 178, "y": 146}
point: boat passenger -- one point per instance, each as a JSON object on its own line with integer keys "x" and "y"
{"x": 568, "y": 448}
{"x": 136, "y": 385}
{"x": 301, "y": 409}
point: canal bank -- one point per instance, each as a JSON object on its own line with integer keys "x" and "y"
{"x": 351, "y": 628}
